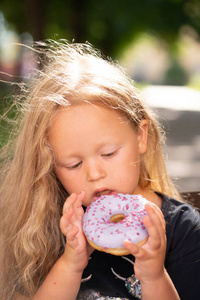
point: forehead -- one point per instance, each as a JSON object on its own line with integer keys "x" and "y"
{"x": 82, "y": 115}
{"x": 85, "y": 123}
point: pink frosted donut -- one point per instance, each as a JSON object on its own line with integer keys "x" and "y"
{"x": 111, "y": 219}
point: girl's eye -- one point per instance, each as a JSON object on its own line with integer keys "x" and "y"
{"x": 109, "y": 154}
{"x": 75, "y": 166}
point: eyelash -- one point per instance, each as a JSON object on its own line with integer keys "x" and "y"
{"x": 109, "y": 154}
{"x": 80, "y": 162}
{"x": 76, "y": 165}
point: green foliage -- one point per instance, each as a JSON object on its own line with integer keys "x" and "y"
{"x": 108, "y": 25}
{"x": 8, "y": 110}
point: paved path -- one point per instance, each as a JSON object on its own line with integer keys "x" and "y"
{"x": 179, "y": 112}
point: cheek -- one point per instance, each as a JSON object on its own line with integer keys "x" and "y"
{"x": 69, "y": 182}
{"x": 133, "y": 171}
{"x": 133, "y": 168}
{"x": 131, "y": 159}
{"x": 127, "y": 172}
{"x": 132, "y": 179}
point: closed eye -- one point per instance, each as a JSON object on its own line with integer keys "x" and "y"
{"x": 110, "y": 154}
{"x": 75, "y": 166}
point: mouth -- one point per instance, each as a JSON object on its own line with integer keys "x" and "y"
{"x": 103, "y": 193}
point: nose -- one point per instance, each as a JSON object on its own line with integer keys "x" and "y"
{"x": 95, "y": 171}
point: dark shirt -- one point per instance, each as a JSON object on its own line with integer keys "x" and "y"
{"x": 104, "y": 277}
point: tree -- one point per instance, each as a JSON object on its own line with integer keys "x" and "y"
{"x": 108, "y": 25}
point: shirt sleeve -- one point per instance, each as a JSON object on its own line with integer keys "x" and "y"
{"x": 183, "y": 248}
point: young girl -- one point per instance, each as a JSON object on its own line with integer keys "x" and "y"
{"x": 84, "y": 133}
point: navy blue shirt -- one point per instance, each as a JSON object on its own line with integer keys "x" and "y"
{"x": 105, "y": 275}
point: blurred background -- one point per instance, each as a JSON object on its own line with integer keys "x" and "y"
{"x": 156, "y": 41}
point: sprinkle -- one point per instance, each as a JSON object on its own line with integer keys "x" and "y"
{"x": 98, "y": 226}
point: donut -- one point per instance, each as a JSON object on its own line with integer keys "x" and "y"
{"x": 111, "y": 219}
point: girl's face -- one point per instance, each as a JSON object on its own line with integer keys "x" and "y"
{"x": 97, "y": 150}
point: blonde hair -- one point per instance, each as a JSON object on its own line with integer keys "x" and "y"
{"x": 31, "y": 195}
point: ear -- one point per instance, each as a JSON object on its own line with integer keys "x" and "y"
{"x": 142, "y": 136}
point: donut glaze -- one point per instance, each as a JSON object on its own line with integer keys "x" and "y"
{"x": 104, "y": 233}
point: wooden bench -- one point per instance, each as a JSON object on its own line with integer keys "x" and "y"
{"x": 192, "y": 198}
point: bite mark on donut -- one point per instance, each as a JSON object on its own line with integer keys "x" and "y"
{"x": 103, "y": 193}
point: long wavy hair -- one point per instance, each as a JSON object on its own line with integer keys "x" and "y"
{"x": 31, "y": 195}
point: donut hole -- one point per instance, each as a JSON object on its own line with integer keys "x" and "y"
{"x": 117, "y": 218}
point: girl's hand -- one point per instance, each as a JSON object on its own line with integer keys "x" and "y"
{"x": 149, "y": 259}
{"x": 76, "y": 253}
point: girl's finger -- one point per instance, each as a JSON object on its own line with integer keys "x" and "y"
{"x": 71, "y": 237}
{"x": 160, "y": 216}
{"x": 72, "y": 234}
{"x": 155, "y": 225}
{"x": 78, "y": 208}
{"x": 65, "y": 221}
{"x": 69, "y": 202}
{"x": 134, "y": 249}
{"x": 156, "y": 217}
